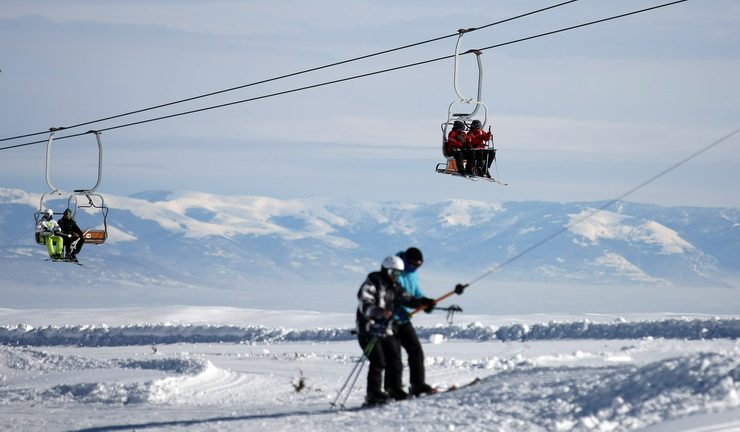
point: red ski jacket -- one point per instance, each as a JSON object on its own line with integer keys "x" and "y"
{"x": 478, "y": 138}
{"x": 457, "y": 139}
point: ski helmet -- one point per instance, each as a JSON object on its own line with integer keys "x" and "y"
{"x": 392, "y": 263}
{"x": 68, "y": 212}
{"x": 48, "y": 213}
{"x": 393, "y": 266}
{"x": 458, "y": 125}
{"x": 476, "y": 124}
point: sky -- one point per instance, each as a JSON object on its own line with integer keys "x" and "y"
{"x": 583, "y": 115}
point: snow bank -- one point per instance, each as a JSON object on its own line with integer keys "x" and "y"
{"x": 613, "y": 398}
{"x": 149, "y": 334}
{"x": 27, "y": 360}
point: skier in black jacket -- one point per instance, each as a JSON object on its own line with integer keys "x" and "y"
{"x": 378, "y": 297}
{"x": 74, "y": 234}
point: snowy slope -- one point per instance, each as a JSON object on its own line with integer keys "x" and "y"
{"x": 199, "y": 248}
{"x": 589, "y": 373}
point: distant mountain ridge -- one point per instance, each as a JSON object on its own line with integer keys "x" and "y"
{"x": 192, "y": 239}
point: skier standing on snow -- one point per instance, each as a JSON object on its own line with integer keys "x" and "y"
{"x": 378, "y": 297}
{"x": 409, "y": 281}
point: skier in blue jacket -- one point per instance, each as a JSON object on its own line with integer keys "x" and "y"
{"x": 409, "y": 281}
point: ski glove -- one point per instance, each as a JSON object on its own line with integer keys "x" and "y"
{"x": 428, "y": 304}
{"x": 459, "y": 288}
{"x": 378, "y": 329}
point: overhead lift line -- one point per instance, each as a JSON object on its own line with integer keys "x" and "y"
{"x": 314, "y": 69}
{"x": 410, "y": 65}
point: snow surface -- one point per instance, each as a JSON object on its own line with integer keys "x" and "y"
{"x": 229, "y": 369}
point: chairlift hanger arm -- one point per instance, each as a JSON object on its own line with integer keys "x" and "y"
{"x": 479, "y": 62}
{"x": 49, "y": 144}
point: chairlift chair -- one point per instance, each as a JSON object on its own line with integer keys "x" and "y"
{"x": 450, "y": 165}
{"x": 92, "y": 198}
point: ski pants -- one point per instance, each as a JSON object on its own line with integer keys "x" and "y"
{"x": 483, "y": 159}
{"x": 459, "y": 155}
{"x": 55, "y": 245}
{"x": 410, "y": 342}
{"x": 74, "y": 237}
{"x": 385, "y": 355}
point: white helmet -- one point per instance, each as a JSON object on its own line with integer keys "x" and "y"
{"x": 48, "y": 213}
{"x": 392, "y": 263}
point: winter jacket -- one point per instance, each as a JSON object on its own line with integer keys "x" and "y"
{"x": 47, "y": 227}
{"x": 409, "y": 281}
{"x": 478, "y": 138}
{"x": 378, "y": 295}
{"x": 457, "y": 139}
{"x": 69, "y": 226}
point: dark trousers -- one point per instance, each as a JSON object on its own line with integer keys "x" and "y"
{"x": 410, "y": 342}
{"x": 69, "y": 240}
{"x": 385, "y": 355}
{"x": 459, "y": 155}
{"x": 483, "y": 160}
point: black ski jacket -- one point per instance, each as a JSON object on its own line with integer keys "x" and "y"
{"x": 69, "y": 226}
{"x": 377, "y": 295}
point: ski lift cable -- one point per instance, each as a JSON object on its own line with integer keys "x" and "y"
{"x": 603, "y": 207}
{"x": 313, "y": 69}
{"x": 350, "y": 78}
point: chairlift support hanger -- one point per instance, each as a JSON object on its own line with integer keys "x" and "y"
{"x": 462, "y": 99}
{"x": 94, "y": 199}
{"x": 448, "y": 167}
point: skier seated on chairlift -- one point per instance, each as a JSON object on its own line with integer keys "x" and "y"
{"x": 49, "y": 233}
{"x": 483, "y": 156}
{"x": 458, "y": 144}
{"x": 75, "y": 236}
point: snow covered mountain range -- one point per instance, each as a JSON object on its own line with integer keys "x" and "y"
{"x": 179, "y": 243}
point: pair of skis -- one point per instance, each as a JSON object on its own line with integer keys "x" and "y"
{"x": 436, "y": 391}
{"x": 66, "y": 260}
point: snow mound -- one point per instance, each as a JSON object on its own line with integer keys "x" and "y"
{"x": 586, "y": 398}
{"x": 33, "y": 362}
{"x": 151, "y": 334}
{"x": 27, "y": 359}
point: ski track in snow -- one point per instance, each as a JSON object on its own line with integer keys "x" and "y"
{"x": 555, "y": 376}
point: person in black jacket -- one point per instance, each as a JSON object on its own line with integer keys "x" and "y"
{"x": 378, "y": 297}
{"x": 74, "y": 235}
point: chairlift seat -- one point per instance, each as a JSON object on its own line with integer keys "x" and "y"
{"x": 95, "y": 236}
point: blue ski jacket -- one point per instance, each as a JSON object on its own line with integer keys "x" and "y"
{"x": 409, "y": 281}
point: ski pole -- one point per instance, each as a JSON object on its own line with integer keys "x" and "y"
{"x": 354, "y": 381}
{"x": 459, "y": 288}
{"x": 353, "y": 375}
{"x": 356, "y": 371}
{"x": 358, "y": 364}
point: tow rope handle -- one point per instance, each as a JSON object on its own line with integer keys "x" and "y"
{"x": 459, "y": 288}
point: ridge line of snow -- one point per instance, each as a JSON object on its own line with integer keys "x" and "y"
{"x": 149, "y": 334}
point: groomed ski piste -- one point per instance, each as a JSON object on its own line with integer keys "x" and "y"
{"x": 225, "y": 369}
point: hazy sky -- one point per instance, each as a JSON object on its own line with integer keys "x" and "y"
{"x": 578, "y": 116}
